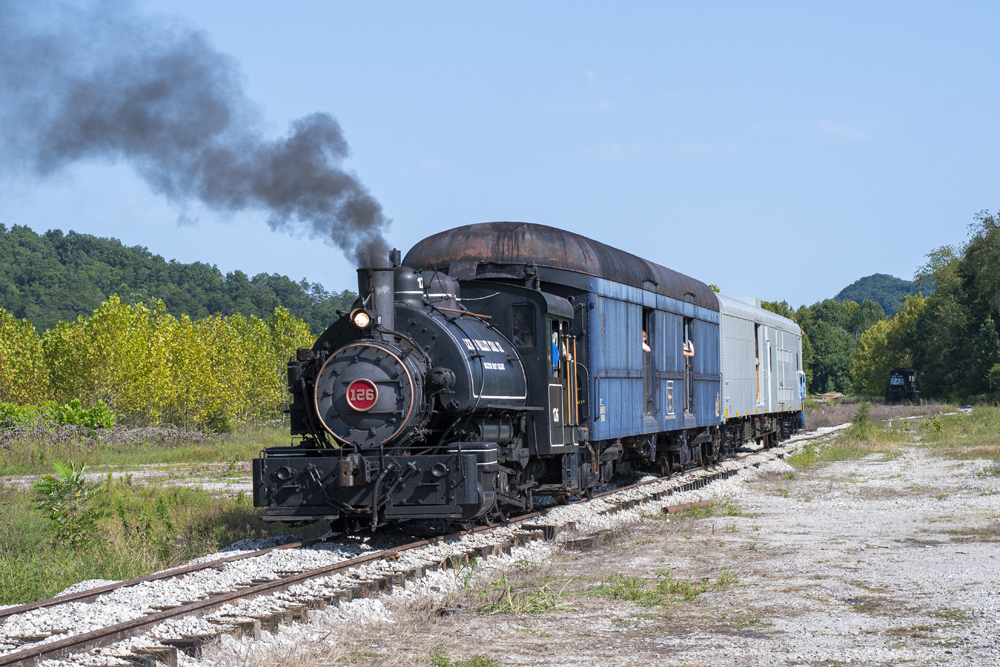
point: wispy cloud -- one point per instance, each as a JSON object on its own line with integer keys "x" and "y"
{"x": 606, "y": 106}
{"x": 850, "y": 129}
{"x": 700, "y": 148}
{"x": 843, "y": 130}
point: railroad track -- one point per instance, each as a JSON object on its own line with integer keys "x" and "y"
{"x": 293, "y": 594}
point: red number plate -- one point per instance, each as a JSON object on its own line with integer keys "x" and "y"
{"x": 362, "y": 395}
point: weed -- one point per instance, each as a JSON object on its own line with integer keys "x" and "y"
{"x": 68, "y": 501}
{"x": 439, "y": 658}
{"x": 953, "y": 615}
{"x": 726, "y": 578}
{"x": 941, "y": 496}
{"x": 506, "y": 597}
{"x": 753, "y": 546}
{"x": 725, "y": 507}
{"x": 805, "y": 458}
{"x": 665, "y": 590}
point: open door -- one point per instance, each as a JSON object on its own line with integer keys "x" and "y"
{"x": 560, "y": 383}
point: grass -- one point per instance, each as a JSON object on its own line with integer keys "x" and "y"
{"x": 965, "y": 437}
{"x": 725, "y": 507}
{"x": 843, "y": 448}
{"x": 990, "y": 533}
{"x": 508, "y": 596}
{"x": 819, "y": 415}
{"x": 439, "y": 658}
{"x": 956, "y": 616}
{"x": 143, "y": 529}
{"x": 123, "y": 448}
{"x": 664, "y": 590}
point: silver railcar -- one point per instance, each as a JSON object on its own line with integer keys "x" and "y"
{"x": 761, "y": 360}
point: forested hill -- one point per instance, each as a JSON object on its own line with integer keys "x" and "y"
{"x": 53, "y": 276}
{"x": 885, "y": 290}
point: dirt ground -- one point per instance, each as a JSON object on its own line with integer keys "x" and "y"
{"x": 891, "y": 560}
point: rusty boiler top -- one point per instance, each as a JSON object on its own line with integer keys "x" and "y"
{"x": 526, "y": 244}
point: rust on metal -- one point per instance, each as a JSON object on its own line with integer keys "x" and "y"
{"x": 684, "y": 507}
{"x": 464, "y": 312}
{"x": 495, "y": 246}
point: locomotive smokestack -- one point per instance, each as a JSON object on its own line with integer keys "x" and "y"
{"x": 103, "y": 82}
{"x": 377, "y": 290}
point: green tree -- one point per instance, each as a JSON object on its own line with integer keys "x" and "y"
{"x": 864, "y": 317}
{"x": 24, "y": 378}
{"x": 52, "y": 277}
{"x": 884, "y": 346}
{"x": 940, "y": 341}
{"x": 985, "y": 355}
{"x": 779, "y": 308}
{"x": 832, "y": 350}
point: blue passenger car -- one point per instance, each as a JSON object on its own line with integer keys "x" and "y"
{"x": 629, "y": 368}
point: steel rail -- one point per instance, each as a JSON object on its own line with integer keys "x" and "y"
{"x": 84, "y": 596}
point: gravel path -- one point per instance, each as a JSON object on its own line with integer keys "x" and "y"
{"x": 228, "y": 479}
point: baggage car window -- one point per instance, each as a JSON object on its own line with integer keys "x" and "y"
{"x": 523, "y": 317}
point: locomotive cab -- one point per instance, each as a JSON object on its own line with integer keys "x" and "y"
{"x": 904, "y": 384}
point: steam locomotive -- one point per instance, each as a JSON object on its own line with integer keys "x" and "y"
{"x": 500, "y": 362}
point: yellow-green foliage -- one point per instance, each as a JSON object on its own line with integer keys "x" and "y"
{"x": 152, "y": 368}
{"x": 883, "y": 347}
{"x": 23, "y": 375}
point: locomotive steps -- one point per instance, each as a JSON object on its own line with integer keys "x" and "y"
{"x": 151, "y": 620}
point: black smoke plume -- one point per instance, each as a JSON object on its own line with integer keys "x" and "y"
{"x": 105, "y": 82}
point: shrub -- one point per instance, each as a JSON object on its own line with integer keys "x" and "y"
{"x": 68, "y": 414}
{"x": 67, "y": 502}
{"x": 862, "y": 427}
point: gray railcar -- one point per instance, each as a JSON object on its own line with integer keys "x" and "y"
{"x": 761, "y": 358}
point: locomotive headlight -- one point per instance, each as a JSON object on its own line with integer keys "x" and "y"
{"x": 361, "y": 319}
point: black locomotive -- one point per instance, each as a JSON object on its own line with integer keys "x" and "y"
{"x": 502, "y": 361}
{"x": 904, "y": 385}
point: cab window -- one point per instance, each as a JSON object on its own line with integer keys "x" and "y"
{"x": 523, "y": 318}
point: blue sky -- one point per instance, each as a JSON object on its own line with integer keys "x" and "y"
{"x": 779, "y": 150}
